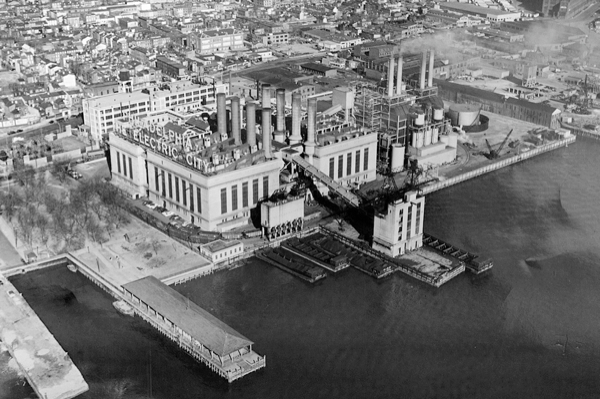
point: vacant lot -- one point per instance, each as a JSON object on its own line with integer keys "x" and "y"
{"x": 8, "y": 77}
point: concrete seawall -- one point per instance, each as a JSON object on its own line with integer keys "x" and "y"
{"x": 430, "y": 188}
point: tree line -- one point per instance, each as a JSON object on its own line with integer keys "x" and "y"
{"x": 62, "y": 219}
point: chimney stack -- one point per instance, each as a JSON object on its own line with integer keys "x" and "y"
{"x": 266, "y": 96}
{"x": 235, "y": 120}
{"x": 266, "y": 132}
{"x": 296, "y": 137}
{"x": 430, "y": 76}
{"x": 399, "y": 77}
{"x": 390, "y": 77}
{"x": 280, "y": 129}
{"x": 311, "y": 125}
{"x": 423, "y": 70}
{"x": 251, "y": 125}
{"x": 221, "y": 114}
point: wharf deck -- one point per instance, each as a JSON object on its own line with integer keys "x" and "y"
{"x": 289, "y": 262}
{"x": 472, "y": 261}
{"x": 46, "y": 366}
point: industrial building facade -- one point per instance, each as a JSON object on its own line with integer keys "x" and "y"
{"x": 540, "y": 114}
{"x": 100, "y": 113}
{"x": 147, "y": 164}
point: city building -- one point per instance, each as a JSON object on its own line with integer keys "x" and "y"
{"x": 100, "y": 113}
{"x": 214, "y": 41}
{"x": 564, "y": 8}
{"x": 491, "y": 14}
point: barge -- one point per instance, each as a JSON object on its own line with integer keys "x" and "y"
{"x": 292, "y": 264}
{"x": 308, "y": 249}
{"x": 472, "y": 261}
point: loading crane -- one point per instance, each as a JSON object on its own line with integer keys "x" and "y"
{"x": 494, "y": 154}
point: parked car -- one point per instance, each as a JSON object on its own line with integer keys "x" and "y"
{"x": 168, "y": 213}
{"x": 150, "y": 204}
{"x": 160, "y": 209}
{"x": 175, "y": 218}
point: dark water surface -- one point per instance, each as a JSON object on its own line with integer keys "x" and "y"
{"x": 529, "y": 329}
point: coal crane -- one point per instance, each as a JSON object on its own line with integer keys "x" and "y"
{"x": 494, "y": 154}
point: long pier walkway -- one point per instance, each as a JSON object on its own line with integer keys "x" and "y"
{"x": 343, "y": 192}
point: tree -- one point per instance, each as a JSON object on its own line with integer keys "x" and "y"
{"x": 59, "y": 169}
{"x": 41, "y": 222}
{"x": 11, "y": 202}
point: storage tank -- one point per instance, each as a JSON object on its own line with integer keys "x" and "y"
{"x": 420, "y": 139}
{"x": 427, "y": 139}
{"x": 464, "y": 114}
{"x": 419, "y": 118}
{"x": 435, "y": 135}
{"x": 397, "y": 161}
{"x": 452, "y": 140}
{"x": 413, "y": 141}
{"x": 438, "y": 114}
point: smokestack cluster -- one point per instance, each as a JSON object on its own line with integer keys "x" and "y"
{"x": 280, "y": 128}
{"x": 390, "y": 87}
{"x": 221, "y": 114}
{"x": 423, "y": 70}
{"x": 235, "y": 120}
{"x": 266, "y": 96}
{"x": 251, "y": 124}
{"x": 430, "y": 76}
{"x": 311, "y": 125}
{"x": 296, "y": 137}
{"x": 266, "y": 132}
{"x": 399, "y": 77}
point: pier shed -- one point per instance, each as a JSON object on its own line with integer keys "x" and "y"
{"x": 206, "y": 338}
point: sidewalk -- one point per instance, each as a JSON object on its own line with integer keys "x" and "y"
{"x": 12, "y": 254}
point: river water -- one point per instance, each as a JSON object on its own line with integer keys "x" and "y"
{"x": 528, "y": 329}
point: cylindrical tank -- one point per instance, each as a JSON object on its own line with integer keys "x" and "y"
{"x": 296, "y": 137}
{"x": 428, "y": 134}
{"x": 221, "y": 114}
{"x": 397, "y": 160}
{"x": 452, "y": 140}
{"x": 419, "y": 118}
{"x": 266, "y": 131}
{"x": 438, "y": 114}
{"x": 235, "y": 120}
{"x": 435, "y": 135}
{"x": 420, "y": 139}
{"x": 464, "y": 114}
{"x": 413, "y": 141}
{"x": 251, "y": 123}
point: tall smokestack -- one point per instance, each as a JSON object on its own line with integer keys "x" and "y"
{"x": 235, "y": 120}
{"x": 266, "y": 96}
{"x": 390, "y": 77}
{"x": 296, "y": 137}
{"x": 423, "y": 70}
{"x": 221, "y": 114}
{"x": 266, "y": 131}
{"x": 430, "y": 76}
{"x": 311, "y": 125}
{"x": 251, "y": 124}
{"x": 280, "y": 129}
{"x": 399, "y": 77}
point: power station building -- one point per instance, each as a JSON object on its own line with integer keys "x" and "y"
{"x": 213, "y": 179}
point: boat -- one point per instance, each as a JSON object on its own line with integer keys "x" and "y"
{"x": 123, "y": 308}
{"x": 72, "y": 268}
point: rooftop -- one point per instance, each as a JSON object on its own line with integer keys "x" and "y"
{"x": 219, "y": 245}
{"x": 475, "y": 9}
{"x": 191, "y": 318}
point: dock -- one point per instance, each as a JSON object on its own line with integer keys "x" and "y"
{"x": 432, "y": 187}
{"x": 473, "y": 262}
{"x": 47, "y": 367}
{"x": 200, "y": 334}
{"x": 286, "y": 261}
